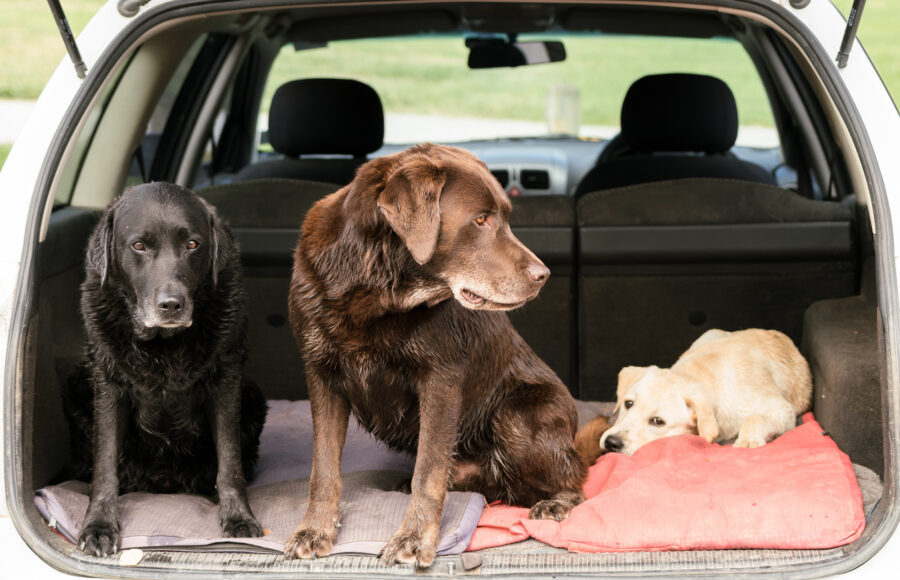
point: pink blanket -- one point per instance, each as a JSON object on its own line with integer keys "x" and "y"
{"x": 682, "y": 493}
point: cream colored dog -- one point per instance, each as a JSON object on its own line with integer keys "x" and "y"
{"x": 749, "y": 385}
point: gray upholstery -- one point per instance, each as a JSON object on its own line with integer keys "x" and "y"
{"x": 660, "y": 263}
{"x": 265, "y": 216}
{"x": 840, "y": 341}
{"x": 266, "y": 203}
{"x": 546, "y": 225}
{"x": 702, "y": 201}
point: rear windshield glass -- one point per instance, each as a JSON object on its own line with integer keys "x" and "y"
{"x": 429, "y": 93}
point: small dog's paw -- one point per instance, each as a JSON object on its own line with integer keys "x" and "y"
{"x": 99, "y": 539}
{"x": 309, "y": 543}
{"x": 241, "y": 527}
{"x": 749, "y": 442}
{"x": 551, "y": 509}
{"x": 409, "y": 548}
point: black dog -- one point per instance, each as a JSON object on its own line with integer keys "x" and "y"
{"x": 159, "y": 403}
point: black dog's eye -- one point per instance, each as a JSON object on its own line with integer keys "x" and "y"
{"x": 657, "y": 421}
{"x": 139, "y": 246}
{"x": 192, "y": 244}
{"x": 481, "y": 220}
{"x": 629, "y": 404}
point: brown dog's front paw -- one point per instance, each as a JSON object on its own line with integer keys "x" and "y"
{"x": 410, "y": 548}
{"x": 551, "y": 509}
{"x": 99, "y": 539}
{"x": 309, "y": 543}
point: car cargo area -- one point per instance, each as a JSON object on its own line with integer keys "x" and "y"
{"x": 639, "y": 269}
{"x": 823, "y": 300}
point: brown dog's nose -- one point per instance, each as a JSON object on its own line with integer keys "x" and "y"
{"x": 539, "y": 273}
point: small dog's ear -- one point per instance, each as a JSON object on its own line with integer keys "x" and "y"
{"x": 100, "y": 251}
{"x": 627, "y": 377}
{"x": 704, "y": 416}
{"x": 410, "y": 203}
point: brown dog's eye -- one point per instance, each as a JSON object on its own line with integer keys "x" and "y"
{"x": 192, "y": 244}
{"x": 629, "y": 404}
{"x": 139, "y": 246}
{"x": 481, "y": 220}
{"x": 657, "y": 421}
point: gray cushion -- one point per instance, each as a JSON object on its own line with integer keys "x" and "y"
{"x": 698, "y": 201}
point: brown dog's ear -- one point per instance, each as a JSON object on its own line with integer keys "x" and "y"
{"x": 410, "y": 202}
{"x": 704, "y": 416}
{"x": 627, "y": 377}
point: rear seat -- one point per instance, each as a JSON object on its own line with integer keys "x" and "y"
{"x": 661, "y": 262}
{"x": 640, "y": 274}
{"x": 265, "y": 216}
{"x": 546, "y": 225}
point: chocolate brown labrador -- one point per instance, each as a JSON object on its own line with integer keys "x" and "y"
{"x": 399, "y": 285}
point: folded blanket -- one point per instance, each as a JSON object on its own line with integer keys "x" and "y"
{"x": 370, "y": 515}
{"x": 682, "y": 493}
{"x": 370, "y": 512}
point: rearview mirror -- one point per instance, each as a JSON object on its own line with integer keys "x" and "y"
{"x": 494, "y": 53}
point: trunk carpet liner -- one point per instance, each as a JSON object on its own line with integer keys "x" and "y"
{"x": 371, "y": 512}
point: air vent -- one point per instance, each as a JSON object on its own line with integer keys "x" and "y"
{"x": 535, "y": 179}
{"x": 501, "y": 175}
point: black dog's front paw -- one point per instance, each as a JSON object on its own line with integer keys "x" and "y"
{"x": 99, "y": 539}
{"x": 404, "y": 486}
{"x": 241, "y": 526}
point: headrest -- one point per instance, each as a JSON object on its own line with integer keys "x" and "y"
{"x": 326, "y": 116}
{"x": 679, "y": 112}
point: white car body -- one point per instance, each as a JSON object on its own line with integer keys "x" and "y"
{"x": 19, "y": 182}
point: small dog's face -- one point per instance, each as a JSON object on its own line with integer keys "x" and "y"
{"x": 460, "y": 229}
{"x": 159, "y": 248}
{"x": 651, "y": 403}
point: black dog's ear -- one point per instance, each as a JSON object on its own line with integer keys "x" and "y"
{"x": 410, "y": 202}
{"x": 219, "y": 246}
{"x": 100, "y": 252}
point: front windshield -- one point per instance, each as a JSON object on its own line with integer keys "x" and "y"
{"x": 429, "y": 93}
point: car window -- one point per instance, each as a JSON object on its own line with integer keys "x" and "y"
{"x": 157, "y": 123}
{"x": 429, "y": 93}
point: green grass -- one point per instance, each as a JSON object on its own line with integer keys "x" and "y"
{"x": 4, "y": 151}
{"x": 30, "y": 44}
{"x": 31, "y": 49}
{"x": 878, "y": 34}
{"x": 430, "y": 76}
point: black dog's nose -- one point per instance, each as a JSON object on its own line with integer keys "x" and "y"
{"x": 613, "y": 443}
{"x": 539, "y": 273}
{"x": 169, "y": 303}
